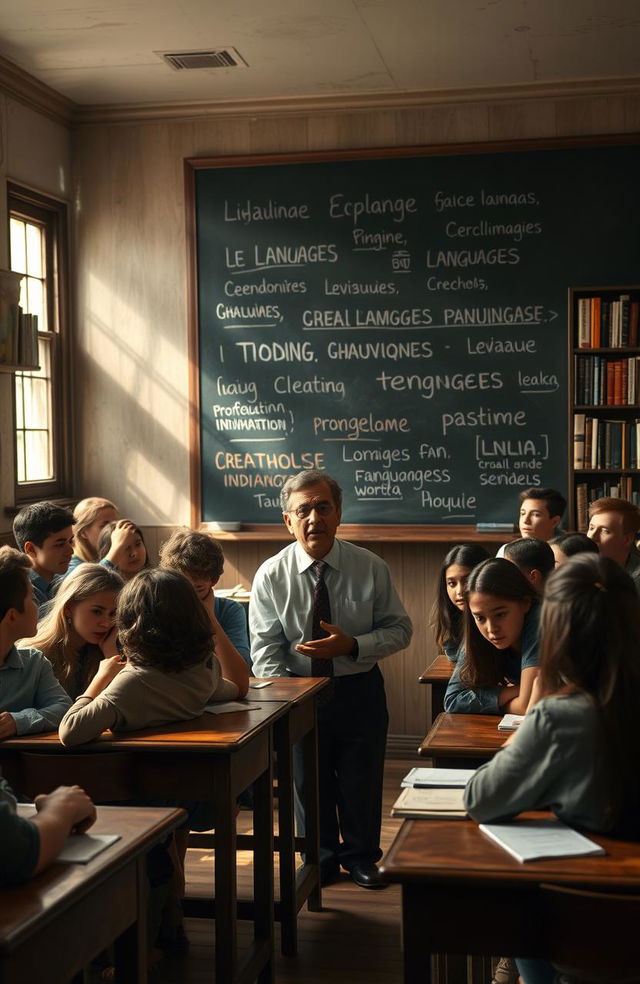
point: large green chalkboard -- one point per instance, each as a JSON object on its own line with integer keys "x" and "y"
{"x": 399, "y": 320}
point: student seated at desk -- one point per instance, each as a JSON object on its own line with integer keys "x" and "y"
{"x": 168, "y": 671}
{"x": 200, "y": 559}
{"x": 448, "y": 608}
{"x": 79, "y": 631}
{"x": 44, "y": 532}
{"x": 569, "y": 544}
{"x": 577, "y": 751}
{"x": 500, "y": 661}
{"x": 539, "y": 515}
{"x": 534, "y": 558}
{"x": 121, "y": 546}
{"x": 91, "y": 516}
{"x": 27, "y": 846}
{"x": 31, "y": 699}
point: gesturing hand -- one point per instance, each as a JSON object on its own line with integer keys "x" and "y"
{"x": 337, "y": 643}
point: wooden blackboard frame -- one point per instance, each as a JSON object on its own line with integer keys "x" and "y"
{"x": 363, "y": 532}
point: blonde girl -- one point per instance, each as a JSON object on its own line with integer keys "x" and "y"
{"x": 91, "y": 516}
{"x": 79, "y": 630}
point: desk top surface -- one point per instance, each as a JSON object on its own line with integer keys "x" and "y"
{"x": 458, "y": 851}
{"x": 293, "y": 689}
{"x": 207, "y": 734}
{"x": 463, "y": 735}
{"x": 54, "y": 890}
{"x": 437, "y": 672}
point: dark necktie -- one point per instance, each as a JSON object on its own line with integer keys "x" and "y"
{"x": 321, "y": 612}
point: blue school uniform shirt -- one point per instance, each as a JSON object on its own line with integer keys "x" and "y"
{"x": 43, "y": 590}
{"x": 233, "y": 622}
{"x": 461, "y": 699}
{"x": 30, "y": 692}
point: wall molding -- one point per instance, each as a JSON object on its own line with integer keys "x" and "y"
{"x": 351, "y": 102}
{"x": 25, "y": 88}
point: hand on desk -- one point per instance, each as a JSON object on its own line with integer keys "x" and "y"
{"x": 71, "y": 804}
{"x": 337, "y": 643}
{"x": 8, "y": 727}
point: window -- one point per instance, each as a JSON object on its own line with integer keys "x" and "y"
{"x": 37, "y": 228}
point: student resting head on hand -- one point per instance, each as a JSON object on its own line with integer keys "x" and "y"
{"x": 121, "y": 545}
{"x": 79, "y": 630}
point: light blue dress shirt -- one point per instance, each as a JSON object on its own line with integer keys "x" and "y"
{"x": 363, "y": 602}
{"x": 30, "y": 692}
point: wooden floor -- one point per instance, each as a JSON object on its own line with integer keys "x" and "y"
{"x": 354, "y": 940}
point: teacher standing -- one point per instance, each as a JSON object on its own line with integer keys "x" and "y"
{"x": 325, "y": 607}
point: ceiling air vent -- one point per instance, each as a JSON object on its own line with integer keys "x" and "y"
{"x": 212, "y": 58}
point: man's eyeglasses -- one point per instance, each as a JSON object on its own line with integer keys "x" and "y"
{"x": 304, "y": 510}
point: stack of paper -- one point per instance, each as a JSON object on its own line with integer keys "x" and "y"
{"x": 532, "y": 840}
{"x": 443, "y": 804}
{"x": 451, "y": 778}
{"x": 510, "y": 722}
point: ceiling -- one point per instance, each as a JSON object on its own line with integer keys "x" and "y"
{"x": 104, "y": 52}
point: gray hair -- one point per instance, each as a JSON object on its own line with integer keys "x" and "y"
{"x": 303, "y": 480}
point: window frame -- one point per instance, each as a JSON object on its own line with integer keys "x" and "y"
{"x": 24, "y": 203}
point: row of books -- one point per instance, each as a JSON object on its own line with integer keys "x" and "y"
{"x": 604, "y": 323}
{"x": 18, "y": 337}
{"x": 602, "y": 382}
{"x": 620, "y": 487}
{"x": 599, "y": 443}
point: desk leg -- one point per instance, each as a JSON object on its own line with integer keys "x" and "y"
{"x": 131, "y": 946}
{"x": 225, "y": 877}
{"x": 311, "y": 810}
{"x": 263, "y": 869}
{"x": 416, "y": 953}
{"x": 286, "y": 838}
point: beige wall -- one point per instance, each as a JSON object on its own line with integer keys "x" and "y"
{"x": 132, "y": 331}
{"x": 35, "y": 151}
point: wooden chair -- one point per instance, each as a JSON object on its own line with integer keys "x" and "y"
{"x": 591, "y": 936}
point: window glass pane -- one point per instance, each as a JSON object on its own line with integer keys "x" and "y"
{"x": 34, "y": 250}
{"x": 44, "y": 358}
{"x": 22, "y": 476}
{"x": 35, "y": 302}
{"x": 37, "y": 454}
{"x": 36, "y": 403}
{"x": 19, "y": 410}
{"x": 18, "y": 252}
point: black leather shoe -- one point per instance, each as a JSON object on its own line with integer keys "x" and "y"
{"x": 329, "y": 873}
{"x": 367, "y": 876}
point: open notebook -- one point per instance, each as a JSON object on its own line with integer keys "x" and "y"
{"x": 430, "y": 804}
{"x": 533, "y": 840}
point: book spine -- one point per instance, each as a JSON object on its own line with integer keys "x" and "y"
{"x": 578, "y": 441}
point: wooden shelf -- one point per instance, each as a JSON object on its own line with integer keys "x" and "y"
{"x": 606, "y": 351}
{"x": 606, "y": 471}
{"x": 579, "y": 407}
{"x": 363, "y": 534}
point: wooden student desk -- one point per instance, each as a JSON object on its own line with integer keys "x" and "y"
{"x": 461, "y": 893}
{"x": 437, "y": 675}
{"x": 297, "y": 724}
{"x": 54, "y": 925}
{"x": 458, "y": 740}
{"x": 214, "y": 757}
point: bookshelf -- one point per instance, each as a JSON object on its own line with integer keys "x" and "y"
{"x": 604, "y": 394}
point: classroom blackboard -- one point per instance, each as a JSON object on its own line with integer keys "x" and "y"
{"x": 398, "y": 319}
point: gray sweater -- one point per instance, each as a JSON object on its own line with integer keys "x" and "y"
{"x": 553, "y": 762}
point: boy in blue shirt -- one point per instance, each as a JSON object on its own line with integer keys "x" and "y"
{"x": 31, "y": 699}
{"x": 44, "y": 532}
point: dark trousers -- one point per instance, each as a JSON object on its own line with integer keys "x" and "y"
{"x": 352, "y": 734}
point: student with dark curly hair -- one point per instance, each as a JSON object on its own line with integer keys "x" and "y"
{"x": 168, "y": 670}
